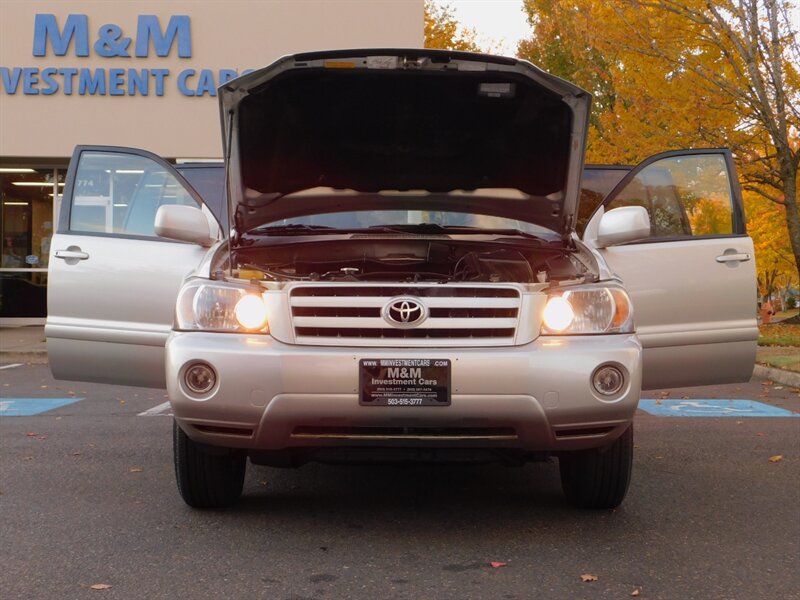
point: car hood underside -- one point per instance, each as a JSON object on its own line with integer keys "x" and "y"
{"x": 411, "y": 129}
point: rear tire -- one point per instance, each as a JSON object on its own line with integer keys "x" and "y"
{"x": 598, "y": 478}
{"x": 207, "y": 476}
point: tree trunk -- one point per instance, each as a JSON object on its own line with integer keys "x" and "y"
{"x": 792, "y": 212}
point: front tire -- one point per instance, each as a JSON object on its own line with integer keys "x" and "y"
{"x": 207, "y": 476}
{"x": 598, "y": 478}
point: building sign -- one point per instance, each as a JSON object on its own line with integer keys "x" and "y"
{"x": 109, "y": 41}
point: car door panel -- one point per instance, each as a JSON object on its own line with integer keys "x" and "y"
{"x": 112, "y": 292}
{"x": 693, "y": 294}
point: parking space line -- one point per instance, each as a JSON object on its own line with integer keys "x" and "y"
{"x": 712, "y": 408}
{"x": 162, "y": 410}
{"x": 10, "y": 366}
{"x": 28, "y": 407}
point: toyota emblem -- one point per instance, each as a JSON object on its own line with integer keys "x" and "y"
{"x": 404, "y": 312}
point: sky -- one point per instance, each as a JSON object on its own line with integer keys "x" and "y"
{"x": 501, "y": 24}
{"x": 498, "y": 22}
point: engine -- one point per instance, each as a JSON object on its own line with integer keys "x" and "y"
{"x": 409, "y": 260}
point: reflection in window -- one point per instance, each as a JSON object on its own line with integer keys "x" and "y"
{"x": 596, "y": 184}
{"x": 684, "y": 196}
{"x": 26, "y": 218}
{"x": 380, "y": 218}
{"x": 120, "y": 193}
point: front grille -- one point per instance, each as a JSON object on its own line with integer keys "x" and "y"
{"x": 458, "y": 314}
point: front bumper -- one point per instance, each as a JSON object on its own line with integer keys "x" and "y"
{"x": 274, "y": 396}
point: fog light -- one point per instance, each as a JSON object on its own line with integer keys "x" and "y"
{"x": 608, "y": 380}
{"x": 200, "y": 378}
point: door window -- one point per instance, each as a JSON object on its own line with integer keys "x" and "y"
{"x": 117, "y": 193}
{"x": 686, "y": 196}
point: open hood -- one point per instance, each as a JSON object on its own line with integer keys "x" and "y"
{"x": 367, "y": 129}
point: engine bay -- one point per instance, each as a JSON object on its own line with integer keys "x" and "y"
{"x": 409, "y": 259}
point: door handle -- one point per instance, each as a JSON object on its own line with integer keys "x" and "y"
{"x": 738, "y": 257}
{"x": 71, "y": 254}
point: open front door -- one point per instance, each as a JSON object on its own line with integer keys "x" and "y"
{"x": 113, "y": 282}
{"x": 693, "y": 280}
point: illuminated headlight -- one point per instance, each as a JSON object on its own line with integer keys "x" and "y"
{"x": 587, "y": 310}
{"x": 212, "y": 306}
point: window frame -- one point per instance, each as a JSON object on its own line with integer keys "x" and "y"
{"x": 65, "y": 214}
{"x": 738, "y": 223}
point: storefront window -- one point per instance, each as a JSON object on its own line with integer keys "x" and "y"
{"x": 26, "y": 227}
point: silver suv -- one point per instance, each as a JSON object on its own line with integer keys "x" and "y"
{"x": 402, "y": 279}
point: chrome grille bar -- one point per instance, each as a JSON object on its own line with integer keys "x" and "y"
{"x": 460, "y": 314}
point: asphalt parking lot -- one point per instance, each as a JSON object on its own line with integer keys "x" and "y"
{"x": 87, "y": 497}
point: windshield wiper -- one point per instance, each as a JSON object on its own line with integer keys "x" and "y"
{"x": 303, "y": 229}
{"x": 292, "y": 229}
{"x": 454, "y": 229}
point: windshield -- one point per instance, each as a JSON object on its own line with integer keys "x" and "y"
{"x": 387, "y": 218}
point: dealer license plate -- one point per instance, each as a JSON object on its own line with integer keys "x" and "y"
{"x": 404, "y": 382}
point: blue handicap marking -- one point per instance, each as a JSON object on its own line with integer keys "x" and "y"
{"x": 712, "y": 408}
{"x": 27, "y": 407}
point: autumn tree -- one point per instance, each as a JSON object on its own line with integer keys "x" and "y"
{"x": 684, "y": 73}
{"x": 443, "y": 31}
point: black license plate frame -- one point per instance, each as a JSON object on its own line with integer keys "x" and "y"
{"x": 404, "y": 382}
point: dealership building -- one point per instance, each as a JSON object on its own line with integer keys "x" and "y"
{"x": 140, "y": 74}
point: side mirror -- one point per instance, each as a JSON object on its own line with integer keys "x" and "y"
{"x": 184, "y": 223}
{"x": 623, "y": 224}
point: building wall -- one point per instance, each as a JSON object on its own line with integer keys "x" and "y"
{"x": 38, "y": 120}
{"x": 44, "y": 45}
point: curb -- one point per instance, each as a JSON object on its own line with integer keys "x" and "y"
{"x": 777, "y": 375}
{"x": 24, "y": 356}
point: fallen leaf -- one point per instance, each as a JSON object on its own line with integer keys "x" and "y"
{"x": 776, "y": 458}
{"x": 586, "y": 577}
{"x": 496, "y": 564}
{"x": 135, "y": 470}
{"x": 767, "y": 382}
{"x": 76, "y": 454}
{"x": 684, "y": 397}
{"x": 760, "y": 434}
{"x": 739, "y": 422}
{"x": 31, "y": 433}
{"x": 658, "y": 402}
{"x": 101, "y": 586}
{"x": 121, "y": 402}
{"x": 636, "y": 592}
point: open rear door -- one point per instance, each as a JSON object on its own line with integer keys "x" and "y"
{"x": 693, "y": 280}
{"x": 113, "y": 281}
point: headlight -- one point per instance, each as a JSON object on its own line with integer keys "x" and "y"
{"x": 212, "y": 306}
{"x": 587, "y": 310}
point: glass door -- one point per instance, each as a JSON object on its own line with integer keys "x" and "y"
{"x": 27, "y": 219}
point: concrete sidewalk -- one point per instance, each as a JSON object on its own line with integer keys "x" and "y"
{"x": 23, "y": 344}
